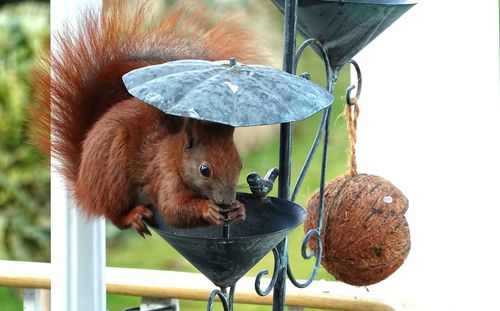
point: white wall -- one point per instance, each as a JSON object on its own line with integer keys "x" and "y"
{"x": 430, "y": 115}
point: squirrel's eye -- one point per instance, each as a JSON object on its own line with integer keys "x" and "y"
{"x": 205, "y": 170}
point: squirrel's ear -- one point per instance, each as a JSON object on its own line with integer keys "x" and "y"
{"x": 188, "y": 129}
{"x": 218, "y": 129}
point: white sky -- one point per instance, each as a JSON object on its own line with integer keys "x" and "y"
{"x": 430, "y": 115}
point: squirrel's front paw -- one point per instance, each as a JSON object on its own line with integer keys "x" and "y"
{"x": 216, "y": 215}
{"x": 213, "y": 214}
{"x": 235, "y": 213}
{"x": 135, "y": 218}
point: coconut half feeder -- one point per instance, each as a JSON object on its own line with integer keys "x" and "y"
{"x": 365, "y": 235}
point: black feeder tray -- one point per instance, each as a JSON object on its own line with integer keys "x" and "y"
{"x": 224, "y": 260}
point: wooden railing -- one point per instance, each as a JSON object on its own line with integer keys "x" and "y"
{"x": 192, "y": 286}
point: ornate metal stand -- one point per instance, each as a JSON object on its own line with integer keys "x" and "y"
{"x": 312, "y": 18}
{"x": 336, "y": 30}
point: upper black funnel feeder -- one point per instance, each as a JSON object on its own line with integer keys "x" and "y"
{"x": 345, "y": 27}
{"x": 225, "y": 260}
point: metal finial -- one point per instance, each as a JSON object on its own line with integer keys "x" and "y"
{"x": 306, "y": 75}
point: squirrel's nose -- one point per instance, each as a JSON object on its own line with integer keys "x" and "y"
{"x": 226, "y": 198}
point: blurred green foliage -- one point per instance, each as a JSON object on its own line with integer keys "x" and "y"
{"x": 24, "y": 179}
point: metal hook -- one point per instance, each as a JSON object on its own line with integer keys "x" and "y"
{"x": 351, "y": 87}
{"x": 348, "y": 94}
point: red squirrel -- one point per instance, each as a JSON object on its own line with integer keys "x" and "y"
{"x": 116, "y": 152}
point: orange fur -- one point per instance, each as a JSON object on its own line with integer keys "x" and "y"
{"x": 117, "y": 152}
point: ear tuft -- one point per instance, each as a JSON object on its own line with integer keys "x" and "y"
{"x": 188, "y": 129}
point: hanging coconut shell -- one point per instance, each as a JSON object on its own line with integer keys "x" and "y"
{"x": 365, "y": 234}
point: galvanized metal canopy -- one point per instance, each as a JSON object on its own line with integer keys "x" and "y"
{"x": 227, "y": 92}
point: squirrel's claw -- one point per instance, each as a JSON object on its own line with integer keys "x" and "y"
{"x": 136, "y": 218}
{"x": 143, "y": 231}
{"x": 236, "y": 213}
{"x": 214, "y": 214}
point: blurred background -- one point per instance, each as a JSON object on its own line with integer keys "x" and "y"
{"x": 24, "y": 179}
{"x": 24, "y": 175}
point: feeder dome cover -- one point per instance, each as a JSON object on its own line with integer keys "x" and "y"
{"x": 227, "y": 92}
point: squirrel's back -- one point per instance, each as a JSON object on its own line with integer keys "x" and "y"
{"x": 85, "y": 73}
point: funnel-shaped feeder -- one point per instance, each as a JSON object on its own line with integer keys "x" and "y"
{"x": 345, "y": 27}
{"x": 225, "y": 260}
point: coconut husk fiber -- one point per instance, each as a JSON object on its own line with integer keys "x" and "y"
{"x": 365, "y": 234}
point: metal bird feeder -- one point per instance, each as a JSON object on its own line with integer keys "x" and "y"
{"x": 244, "y": 95}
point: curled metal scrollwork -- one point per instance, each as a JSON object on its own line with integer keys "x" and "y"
{"x": 261, "y": 274}
{"x": 323, "y": 130}
{"x": 226, "y": 300}
{"x": 330, "y": 79}
{"x": 315, "y": 44}
{"x": 310, "y": 155}
{"x": 308, "y": 255}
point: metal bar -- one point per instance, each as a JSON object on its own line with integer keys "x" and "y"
{"x": 310, "y": 155}
{"x": 330, "y": 81}
{"x": 285, "y": 161}
{"x": 31, "y": 299}
{"x": 159, "y": 304}
{"x": 290, "y": 30}
{"x": 231, "y": 297}
{"x": 323, "y": 170}
{"x": 280, "y": 286}
{"x": 324, "y": 159}
{"x": 286, "y": 128}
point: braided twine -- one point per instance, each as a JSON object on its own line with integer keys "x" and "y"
{"x": 351, "y": 113}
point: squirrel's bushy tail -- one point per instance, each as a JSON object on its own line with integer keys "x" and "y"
{"x": 83, "y": 77}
